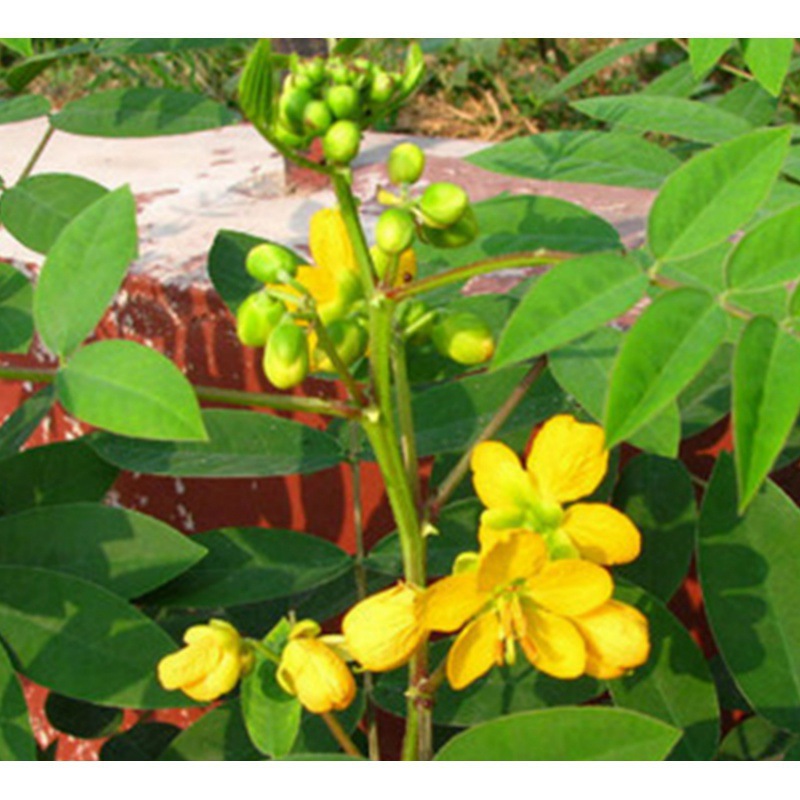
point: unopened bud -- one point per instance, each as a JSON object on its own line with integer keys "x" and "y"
{"x": 350, "y": 340}
{"x": 291, "y": 107}
{"x": 381, "y": 88}
{"x": 464, "y": 232}
{"x": 406, "y": 164}
{"x": 464, "y": 337}
{"x": 286, "y": 356}
{"x": 344, "y": 102}
{"x": 268, "y": 262}
{"x": 394, "y": 232}
{"x": 317, "y": 117}
{"x": 256, "y": 318}
{"x": 342, "y": 142}
{"x": 443, "y": 204}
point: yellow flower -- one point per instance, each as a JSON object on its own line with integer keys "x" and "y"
{"x": 313, "y": 672}
{"x": 383, "y": 631}
{"x": 567, "y": 461}
{"x": 210, "y": 665}
{"x": 334, "y": 282}
{"x": 559, "y": 612}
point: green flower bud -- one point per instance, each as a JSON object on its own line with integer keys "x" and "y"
{"x": 382, "y": 261}
{"x": 286, "y": 356}
{"x": 463, "y": 337}
{"x": 381, "y": 88}
{"x": 265, "y": 262}
{"x": 291, "y": 107}
{"x": 416, "y": 315}
{"x": 256, "y": 318}
{"x": 317, "y": 117}
{"x": 458, "y": 235}
{"x": 315, "y": 70}
{"x": 342, "y": 142}
{"x": 395, "y": 231}
{"x": 406, "y": 164}
{"x": 443, "y": 204}
{"x": 344, "y": 102}
{"x": 350, "y": 340}
{"x": 287, "y": 138}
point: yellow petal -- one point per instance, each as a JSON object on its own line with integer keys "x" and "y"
{"x": 329, "y": 243}
{"x": 552, "y": 644}
{"x": 601, "y": 533}
{"x": 383, "y": 631}
{"x": 218, "y": 681}
{"x": 498, "y": 476}
{"x": 317, "y": 676}
{"x": 406, "y": 268}
{"x": 616, "y": 637}
{"x": 450, "y": 602}
{"x": 520, "y": 555}
{"x": 568, "y": 459}
{"x": 475, "y": 651}
{"x": 319, "y": 281}
{"x": 188, "y": 665}
{"x": 570, "y": 587}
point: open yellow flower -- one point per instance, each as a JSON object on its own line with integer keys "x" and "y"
{"x": 559, "y": 612}
{"x": 314, "y": 672}
{"x": 210, "y": 665}
{"x": 383, "y": 631}
{"x": 567, "y": 461}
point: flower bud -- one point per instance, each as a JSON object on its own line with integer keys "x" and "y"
{"x": 416, "y": 315}
{"x": 464, "y": 232}
{"x": 342, "y": 142}
{"x": 315, "y": 70}
{"x": 266, "y": 262}
{"x": 211, "y": 664}
{"x": 406, "y": 164}
{"x": 394, "y": 232}
{"x": 256, "y": 318}
{"x": 350, "y": 340}
{"x": 463, "y": 337}
{"x": 291, "y": 107}
{"x": 381, "y": 88}
{"x": 344, "y": 102}
{"x": 286, "y": 356}
{"x": 443, "y": 204}
{"x": 317, "y": 117}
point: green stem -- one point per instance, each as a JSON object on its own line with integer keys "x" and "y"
{"x": 459, "y": 274}
{"x": 341, "y": 368}
{"x": 347, "y": 204}
{"x": 341, "y": 736}
{"x": 37, "y": 153}
{"x": 406, "y": 419}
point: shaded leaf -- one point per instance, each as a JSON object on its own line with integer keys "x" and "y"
{"x": 143, "y": 742}
{"x": 18, "y": 109}
{"x": 24, "y": 420}
{"x": 81, "y": 719}
{"x": 16, "y": 300}
{"x": 16, "y": 737}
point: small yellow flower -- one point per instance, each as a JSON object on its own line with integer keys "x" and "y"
{"x": 314, "y": 673}
{"x": 559, "y": 612}
{"x": 567, "y": 461}
{"x": 210, "y": 665}
{"x": 383, "y": 631}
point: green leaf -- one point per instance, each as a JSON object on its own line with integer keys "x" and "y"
{"x": 63, "y": 472}
{"x": 751, "y": 102}
{"x": 345, "y": 47}
{"x": 16, "y": 300}
{"x": 81, "y": 719}
{"x": 241, "y": 444}
{"x": 715, "y": 193}
{"x": 569, "y": 301}
{"x": 768, "y": 60}
{"x": 138, "y": 47}
{"x": 503, "y": 691}
{"x": 766, "y": 400}
{"x": 748, "y": 567}
{"x": 705, "y": 53}
{"x": 24, "y": 420}
{"x": 675, "y": 685}
{"x": 583, "y": 370}
{"x": 703, "y": 270}
{"x": 565, "y": 734}
{"x": 271, "y": 716}
{"x": 593, "y": 65}
{"x": 675, "y": 116}
{"x": 767, "y": 256}
{"x": 21, "y": 46}
{"x": 84, "y": 269}
{"x": 612, "y": 159}
{"x": 16, "y": 737}
{"x": 129, "y": 389}
{"x": 679, "y": 81}
{"x": 126, "y": 552}
{"x": 143, "y": 742}
{"x": 755, "y": 739}
{"x": 82, "y": 641}
{"x": 21, "y": 74}
{"x": 141, "y": 112}
{"x": 251, "y": 565}
{"x": 37, "y": 209}
{"x": 657, "y": 495}
{"x": 18, "y": 109}
{"x": 664, "y": 350}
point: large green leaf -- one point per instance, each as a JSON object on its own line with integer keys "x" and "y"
{"x": 704, "y": 53}
{"x": 145, "y": 741}
{"x": 766, "y": 400}
{"x": 755, "y": 739}
{"x": 675, "y": 685}
{"x": 768, "y": 60}
{"x": 79, "y": 639}
{"x": 664, "y": 350}
{"x": 16, "y": 300}
{"x": 715, "y": 193}
{"x": 24, "y": 420}
{"x": 240, "y": 444}
{"x": 141, "y": 112}
{"x": 127, "y": 552}
{"x": 84, "y": 269}
{"x": 565, "y": 734}
{"x": 613, "y": 159}
{"x": 21, "y": 46}
{"x": 572, "y": 299}
{"x": 751, "y": 101}
{"x": 131, "y": 390}
{"x": 16, "y": 737}
{"x": 81, "y": 719}
{"x": 37, "y": 209}
{"x": 688, "y": 119}
{"x": 707, "y": 399}
{"x": 748, "y": 568}
{"x": 18, "y": 109}
{"x": 138, "y": 47}
{"x": 657, "y": 494}
{"x": 251, "y": 565}
{"x": 705, "y": 270}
